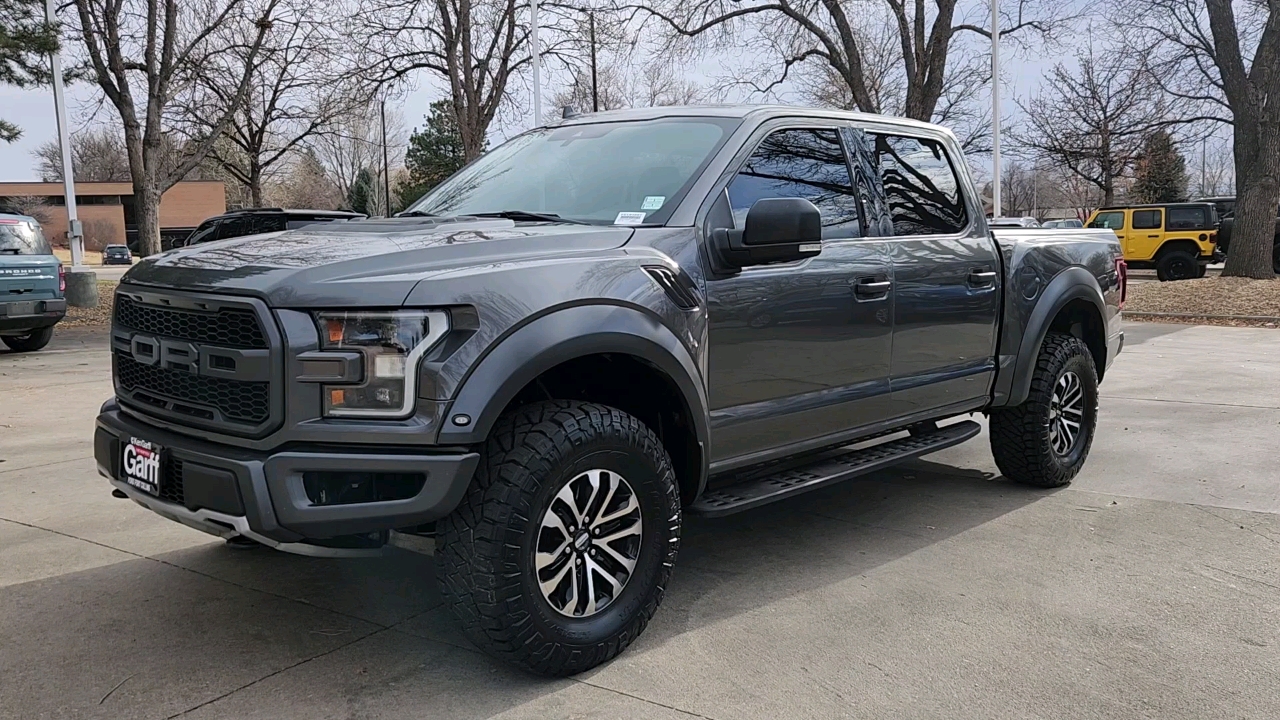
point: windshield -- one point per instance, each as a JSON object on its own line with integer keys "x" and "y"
{"x": 624, "y": 173}
{"x": 22, "y": 237}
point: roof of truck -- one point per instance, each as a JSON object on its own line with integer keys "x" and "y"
{"x": 733, "y": 111}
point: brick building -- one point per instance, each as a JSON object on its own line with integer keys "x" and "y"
{"x": 106, "y": 213}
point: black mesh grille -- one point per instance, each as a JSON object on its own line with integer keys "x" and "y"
{"x": 240, "y": 402}
{"x": 171, "y": 484}
{"x": 229, "y": 327}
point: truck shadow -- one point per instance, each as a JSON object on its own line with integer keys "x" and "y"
{"x": 257, "y": 629}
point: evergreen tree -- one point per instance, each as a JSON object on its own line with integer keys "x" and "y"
{"x": 360, "y": 198}
{"x": 26, "y": 41}
{"x": 1160, "y": 175}
{"x": 435, "y": 152}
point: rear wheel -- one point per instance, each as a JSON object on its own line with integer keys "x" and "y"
{"x": 30, "y": 342}
{"x": 1045, "y": 440}
{"x": 1176, "y": 265}
{"x": 561, "y": 551}
{"x": 1275, "y": 258}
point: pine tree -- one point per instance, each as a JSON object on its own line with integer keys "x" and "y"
{"x": 26, "y": 40}
{"x": 1160, "y": 175}
{"x": 360, "y": 197}
{"x": 435, "y": 152}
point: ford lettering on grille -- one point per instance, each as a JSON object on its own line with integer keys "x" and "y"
{"x": 168, "y": 354}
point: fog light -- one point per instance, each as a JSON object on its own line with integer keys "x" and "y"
{"x": 350, "y": 488}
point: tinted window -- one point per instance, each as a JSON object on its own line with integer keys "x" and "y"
{"x": 1146, "y": 219}
{"x": 22, "y": 237}
{"x": 921, "y": 186}
{"x": 234, "y": 227}
{"x": 204, "y": 233}
{"x": 268, "y": 223}
{"x": 808, "y": 164}
{"x": 1188, "y": 218}
{"x": 1109, "y": 221}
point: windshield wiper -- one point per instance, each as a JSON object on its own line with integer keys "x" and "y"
{"x": 530, "y": 216}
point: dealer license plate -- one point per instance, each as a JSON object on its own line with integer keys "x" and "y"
{"x": 141, "y": 466}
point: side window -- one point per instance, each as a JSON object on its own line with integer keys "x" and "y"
{"x": 1187, "y": 218}
{"x": 233, "y": 227}
{"x": 1146, "y": 219}
{"x": 921, "y": 186}
{"x": 204, "y": 233}
{"x": 1109, "y": 220}
{"x": 268, "y": 223}
{"x": 809, "y": 164}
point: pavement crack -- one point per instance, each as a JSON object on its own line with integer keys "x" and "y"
{"x": 48, "y": 464}
{"x": 644, "y": 700}
{"x": 1243, "y": 577}
{"x": 1190, "y": 402}
{"x": 274, "y": 673}
{"x": 1264, "y": 536}
{"x": 117, "y": 687}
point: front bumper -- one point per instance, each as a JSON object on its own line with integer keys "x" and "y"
{"x": 227, "y": 491}
{"x": 43, "y": 314}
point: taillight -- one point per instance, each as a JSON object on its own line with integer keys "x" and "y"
{"x": 1122, "y": 272}
{"x": 62, "y": 278}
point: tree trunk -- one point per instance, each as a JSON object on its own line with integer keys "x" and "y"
{"x": 146, "y": 215}
{"x": 1257, "y": 153}
{"x": 255, "y": 185}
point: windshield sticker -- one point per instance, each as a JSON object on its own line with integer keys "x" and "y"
{"x": 629, "y": 218}
{"x": 653, "y": 202}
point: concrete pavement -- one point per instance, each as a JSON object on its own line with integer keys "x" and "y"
{"x": 1149, "y": 588}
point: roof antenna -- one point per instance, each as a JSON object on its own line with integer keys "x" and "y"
{"x": 568, "y": 111}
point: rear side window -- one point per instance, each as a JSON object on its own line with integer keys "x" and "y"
{"x": 1109, "y": 221}
{"x": 1146, "y": 219}
{"x": 233, "y": 227}
{"x": 268, "y": 224}
{"x": 1188, "y": 218}
{"x": 22, "y": 237}
{"x": 921, "y": 186}
{"x": 809, "y": 164}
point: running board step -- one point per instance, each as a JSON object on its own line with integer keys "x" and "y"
{"x": 788, "y": 483}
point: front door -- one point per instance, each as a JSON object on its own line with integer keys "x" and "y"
{"x": 1113, "y": 220}
{"x": 946, "y": 276}
{"x": 798, "y": 351}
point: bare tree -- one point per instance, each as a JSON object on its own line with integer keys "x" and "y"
{"x": 353, "y": 143}
{"x": 298, "y": 86}
{"x": 475, "y": 48}
{"x": 303, "y": 183}
{"x": 1092, "y": 119}
{"x": 98, "y": 155}
{"x": 143, "y": 55}
{"x": 1223, "y": 58}
{"x": 825, "y": 31}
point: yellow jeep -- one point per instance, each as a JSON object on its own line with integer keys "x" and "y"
{"x": 1177, "y": 239}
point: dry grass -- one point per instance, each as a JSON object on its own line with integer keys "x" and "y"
{"x": 93, "y": 317}
{"x": 1194, "y": 299}
{"x": 91, "y": 257}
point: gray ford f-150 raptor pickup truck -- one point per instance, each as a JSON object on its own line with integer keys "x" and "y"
{"x": 591, "y": 330}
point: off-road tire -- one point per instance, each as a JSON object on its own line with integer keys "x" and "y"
{"x": 32, "y": 341}
{"x": 1020, "y": 438}
{"x": 1176, "y": 265}
{"x": 485, "y": 559}
{"x": 1202, "y": 271}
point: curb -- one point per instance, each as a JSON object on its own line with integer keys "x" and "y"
{"x": 1206, "y": 316}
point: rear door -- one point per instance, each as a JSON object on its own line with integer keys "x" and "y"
{"x": 799, "y": 351}
{"x": 946, "y": 277}
{"x": 1146, "y": 233}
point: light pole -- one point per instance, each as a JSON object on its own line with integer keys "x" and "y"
{"x": 537, "y": 62}
{"x": 74, "y": 234}
{"x": 995, "y": 108}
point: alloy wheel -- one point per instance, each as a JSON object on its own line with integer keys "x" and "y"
{"x": 1066, "y": 413}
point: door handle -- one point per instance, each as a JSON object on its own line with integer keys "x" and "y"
{"x": 1153, "y": 236}
{"x": 872, "y": 288}
{"x": 980, "y": 277}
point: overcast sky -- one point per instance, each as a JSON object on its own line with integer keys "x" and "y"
{"x": 32, "y": 110}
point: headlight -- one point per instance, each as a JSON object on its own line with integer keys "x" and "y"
{"x": 392, "y": 344}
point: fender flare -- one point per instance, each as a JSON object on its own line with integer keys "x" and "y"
{"x": 1073, "y": 283}
{"x": 562, "y": 335}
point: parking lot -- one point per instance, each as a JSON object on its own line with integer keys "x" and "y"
{"x": 1148, "y": 588}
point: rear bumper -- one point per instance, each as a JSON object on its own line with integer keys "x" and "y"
{"x": 229, "y": 491}
{"x": 44, "y": 313}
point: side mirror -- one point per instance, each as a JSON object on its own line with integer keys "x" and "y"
{"x": 776, "y": 230}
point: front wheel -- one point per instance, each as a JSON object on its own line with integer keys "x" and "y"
{"x": 1045, "y": 440}
{"x": 30, "y": 342}
{"x": 562, "y": 548}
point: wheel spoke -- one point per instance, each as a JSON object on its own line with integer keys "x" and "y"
{"x": 543, "y": 560}
{"x": 589, "y": 589}
{"x": 627, "y": 563}
{"x": 629, "y": 506}
{"x": 628, "y": 531}
{"x": 566, "y": 496}
{"x": 550, "y": 586}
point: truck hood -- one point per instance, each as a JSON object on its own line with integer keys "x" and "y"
{"x": 371, "y": 263}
